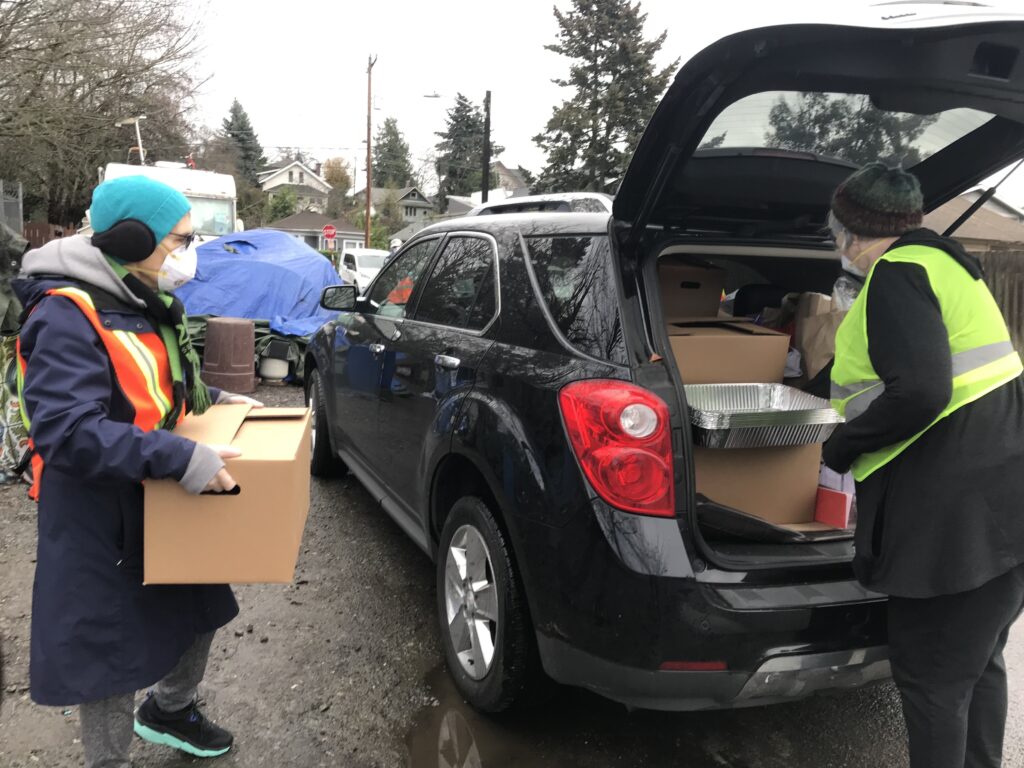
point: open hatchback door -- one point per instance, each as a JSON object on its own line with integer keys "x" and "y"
{"x": 758, "y": 129}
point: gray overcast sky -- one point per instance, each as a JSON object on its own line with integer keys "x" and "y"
{"x": 299, "y": 67}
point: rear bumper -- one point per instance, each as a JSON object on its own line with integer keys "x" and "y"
{"x": 777, "y": 679}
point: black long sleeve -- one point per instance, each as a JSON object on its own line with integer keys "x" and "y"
{"x": 909, "y": 348}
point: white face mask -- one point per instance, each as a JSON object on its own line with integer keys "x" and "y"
{"x": 850, "y": 267}
{"x": 179, "y": 267}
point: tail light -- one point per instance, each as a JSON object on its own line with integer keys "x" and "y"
{"x": 621, "y": 436}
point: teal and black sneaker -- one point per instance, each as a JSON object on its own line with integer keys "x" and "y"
{"x": 188, "y": 729}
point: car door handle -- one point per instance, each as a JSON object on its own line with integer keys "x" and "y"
{"x": 377, "y": 349}
{"x": 448, "y": 362}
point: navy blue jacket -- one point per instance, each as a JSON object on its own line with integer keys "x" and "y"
{"x": 96, "y": 630}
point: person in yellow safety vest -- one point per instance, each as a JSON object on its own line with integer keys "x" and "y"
{"x": 930, "y": 386}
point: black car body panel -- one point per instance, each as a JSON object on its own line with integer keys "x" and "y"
{"x": 643, "y": 609}
{"x": 903, "y": 64}
{"x": 603, "y": 584}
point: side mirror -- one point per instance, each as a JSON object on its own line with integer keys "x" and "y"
{"x": 340, "y": 298}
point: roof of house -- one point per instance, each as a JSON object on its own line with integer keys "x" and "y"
{"x": 347, "y": 228}
{"x": 996, "y": 204}
{"x": 269, "y": 173}
{"x": 303, "y": 221}
{"x": 983, "y": 224}
{"x": 299, "y": 190}
{"x": 379, "y": 194}
{"x": 458, "y": 204}
{"x": 309, "y": 221}
{"x": 409, "y": 230}
{"x": 513, "y": 175}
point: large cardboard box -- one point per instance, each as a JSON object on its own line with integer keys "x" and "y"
{"x": 718, "y": 352}
{"x": 251, "y": 537}
{"x": 779, "y": 485}
{"x": 689, "y": 290}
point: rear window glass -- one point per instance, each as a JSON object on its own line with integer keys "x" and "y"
{"x": 842, "y": 126}
{"x": 576, "y": 283}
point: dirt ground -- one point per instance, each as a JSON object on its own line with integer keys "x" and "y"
{"x": 316, "y": 673}
{"x": 343, "y": 668}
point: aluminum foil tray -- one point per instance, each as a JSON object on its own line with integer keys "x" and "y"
{"x": 758, "y": 416}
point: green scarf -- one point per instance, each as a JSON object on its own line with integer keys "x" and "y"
{"x": 169, "y": 316}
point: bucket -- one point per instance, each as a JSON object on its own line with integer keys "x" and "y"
{"x": 230, "y": 354}
{"x": 272, "y": 369}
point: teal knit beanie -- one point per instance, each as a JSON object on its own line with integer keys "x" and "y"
{"x": 152, "y": 202}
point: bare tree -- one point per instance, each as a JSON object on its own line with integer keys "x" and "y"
{"x": 68, "y": 70}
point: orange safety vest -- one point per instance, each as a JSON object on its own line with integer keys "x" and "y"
{"x": 402, "y": 292}
{"x": 142, "y": 369}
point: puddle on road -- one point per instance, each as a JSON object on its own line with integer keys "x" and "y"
{"x": 572, "y": 728}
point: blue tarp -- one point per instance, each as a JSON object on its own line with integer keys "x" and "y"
{"x": 261, "y": 274}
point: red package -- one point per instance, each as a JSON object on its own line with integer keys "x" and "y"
{"x": 833, "y": 508}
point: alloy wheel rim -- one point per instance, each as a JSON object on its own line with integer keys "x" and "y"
{"x": 471, "y": 601}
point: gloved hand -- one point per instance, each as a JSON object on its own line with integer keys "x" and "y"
{"x": 834, "y": 453}
{"x": 223, "y": 481}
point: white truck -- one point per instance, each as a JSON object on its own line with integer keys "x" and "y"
{"x": 214, "y": 203}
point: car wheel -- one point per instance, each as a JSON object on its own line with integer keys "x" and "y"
{"x": 485, "y": 625}
{"x": 322, "y": 461}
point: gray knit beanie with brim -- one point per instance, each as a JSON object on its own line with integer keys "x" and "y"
{"x": 878, "y": 201}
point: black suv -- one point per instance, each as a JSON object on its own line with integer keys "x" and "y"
{"x": 506, "y": 386}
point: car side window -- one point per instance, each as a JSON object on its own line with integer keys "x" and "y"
{"x": 350, "y": 261}
{"x": 575, "y": 280}
{"x": 395, "y": 285}
{"x": 461, "y": 291}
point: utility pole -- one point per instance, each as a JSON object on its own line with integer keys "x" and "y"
{"x": 369, "y": 138}
{"x": 486, "y": 177}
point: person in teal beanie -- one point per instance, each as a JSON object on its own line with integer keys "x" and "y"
{"x": 107, "y": 370}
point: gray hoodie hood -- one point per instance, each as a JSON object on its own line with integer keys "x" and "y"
{"x": 75, "y": 257}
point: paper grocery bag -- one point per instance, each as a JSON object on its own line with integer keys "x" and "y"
{"x": 820, "y": 342}
{"x": 816, "y": 326}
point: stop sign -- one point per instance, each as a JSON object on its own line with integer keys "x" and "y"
{"x": 329, "y": 231}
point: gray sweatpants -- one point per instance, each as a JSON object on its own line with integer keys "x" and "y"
{"x": 108, "y": 724}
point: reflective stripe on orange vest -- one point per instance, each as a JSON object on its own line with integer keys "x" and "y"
{"x": 402, "y": 292}
{"x": 141, "y": 367}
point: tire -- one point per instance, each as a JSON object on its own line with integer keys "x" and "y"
{"x": 510, "y": 675}
{"x": 322, "y": 461}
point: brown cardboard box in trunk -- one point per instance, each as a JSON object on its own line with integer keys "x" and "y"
{"x": 689, "y": 290}
{"x": 718, "y": 352}
{"x": 251, "y": 537}
{"x": 779, "y": 485}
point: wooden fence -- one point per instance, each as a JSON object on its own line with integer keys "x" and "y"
{"x": 1004, "y": 273}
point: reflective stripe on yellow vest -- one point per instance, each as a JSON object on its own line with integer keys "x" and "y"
{"x": 983, "y": 358}
{"x": 142, "y": 368}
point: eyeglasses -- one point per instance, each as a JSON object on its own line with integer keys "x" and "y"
{"x": 186, "y": 239}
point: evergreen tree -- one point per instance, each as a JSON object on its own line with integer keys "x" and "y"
{"x": 392, "y": 163}
{"x": 460, "y": 151}
{"x": 590, "y": 136}
{"x": 336, "y": 173}
{"x": 848, "y": 127}
{"x": 282, "y": 205}
{"x": 238, "y": 128}
{"x": 528, "y": 177}
{"x": 390, "y": 214}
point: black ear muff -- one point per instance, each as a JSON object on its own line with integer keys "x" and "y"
{"x": 127, "y": 241}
